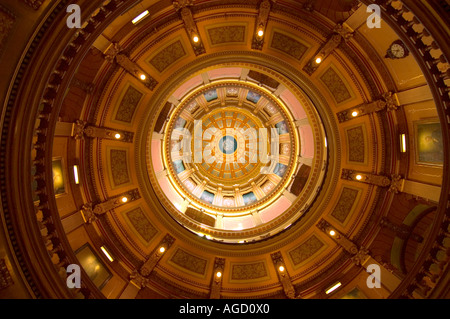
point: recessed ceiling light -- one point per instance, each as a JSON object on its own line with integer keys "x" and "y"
{"x": 318, "y": 60}
{"x": 195, "y": 39}
{"x": 354, "y": 113}
{"x": 124, "y": 199}
{"x": 142, "y": 77}
{"x": 117, "y": 136}
{"x": 260, "y": 33}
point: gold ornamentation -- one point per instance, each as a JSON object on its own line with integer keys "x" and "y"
{"x": 189, "y": 261}
{"x": 227, "y": 34}
{"x": 128, "y": 105}
{"x": 356, "y": 144}
{"x": 248, "y": 271}
{"x": 141, "y": 223}
{"x": 335, "y": 85}
{"x": 288, "y": 45}
{"x": 305, "y": 250}
{"x": 167, "y": 56}
{"x": 119, "y": 167}
{"x": 345, "y": 204}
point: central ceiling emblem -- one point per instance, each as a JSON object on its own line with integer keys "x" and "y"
{"x": 228, "y": 145}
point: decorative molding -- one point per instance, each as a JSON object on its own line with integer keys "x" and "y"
{"x": 5, "y": 276}
{"x": 118, "y": 164}
{"x": 153, "y": 259}
{"x": 183, "y": 9}
{"x": 82, "y": 129}
{"x": 336, "y": 85}
{"x": 345, "y": 204}
{"x": 248, "y": 271}
{"x": 114, "y": 54}
{"x": 128, "y": 104}
{"x": 337, "y": 236}
{"x": 189, "y": 262}
{"x": 389, "y": 102}
{"x": 305, "y": 250}
{"x": 227, "y": 34}
{"x": 356, "y": 144}
{"x": 35, "y": 4}
{"x": 341, "y": 32}
{"x": 288, "y": 45}
{"x": 168, "y": 55}
{"x": 261, "y": 24}
{"x": 216, "y": 281}
{"x": 90, "y": 211}
{"x": 283, "y": 275}
{"x": 394, "y": 182}
{"x": 139, "y": 220}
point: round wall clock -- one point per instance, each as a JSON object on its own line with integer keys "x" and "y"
{"x": 397, "y": 50}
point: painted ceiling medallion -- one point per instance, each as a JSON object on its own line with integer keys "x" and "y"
{"x": 231, "y": 152}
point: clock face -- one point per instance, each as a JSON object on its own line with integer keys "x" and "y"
{"x": 397, "y": 50}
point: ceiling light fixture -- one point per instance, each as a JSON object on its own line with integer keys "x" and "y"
{"x": 195, "y": 39}
{"x": 403, "y": 143}
{"x": 281, "y": 268}
{"x": 318, "y": 60}
{"x": 75, "y": 174}
{"x": 162, "y": 250}
{"x": 333, "y": 288}
{"x": 142, "y": 77}
{"x": 218, "y": 274}
{"x": 107, "y": 254}
{"x": 140, "y": 17}
{"x": 124, "y": 199}
{"x": 354, "y": 113}
{"x": 117, "y": 136}
{"x": 358, "y": 177}
{"x": 332, "y": 233}
{"x": 260, "y": 33}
